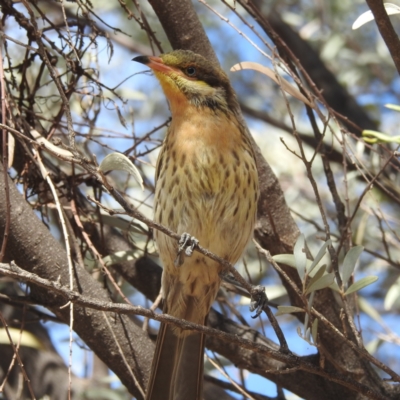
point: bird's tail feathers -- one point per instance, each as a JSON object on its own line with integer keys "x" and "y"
{"x": 177, "y": 370}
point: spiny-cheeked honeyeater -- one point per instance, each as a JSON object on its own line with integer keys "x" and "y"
{"x": 207, "y": 186}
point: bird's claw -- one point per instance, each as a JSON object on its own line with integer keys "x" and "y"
{"x": 186, "y": 243}
{"x": 258, "y": 300}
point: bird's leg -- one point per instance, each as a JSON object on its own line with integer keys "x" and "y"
{"x": 187, "y": 243}
{"x": 259, "y": 303}
{"x": 258, "y": 300}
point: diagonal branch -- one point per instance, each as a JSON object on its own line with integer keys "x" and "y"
{"x": 33, "y": 247}
{"x": 386, "y": 29}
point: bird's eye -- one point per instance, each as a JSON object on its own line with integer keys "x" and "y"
{"x": 190, "y": 71}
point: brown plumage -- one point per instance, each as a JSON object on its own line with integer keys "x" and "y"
{"x": 207, "y": 186}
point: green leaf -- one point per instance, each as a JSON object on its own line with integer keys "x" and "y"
{"x": 314, "y": 330}
{"x": 319, "y": 273}
{"x": 274, "y": 292}
{"x": 361, "y": 228}
{"x": 394, "y": 107}
{"x": 393, "y": 295}
{"x": 288, "y": 259}
{"x": 300, "y": 256}
{"x": 350, "y": 262}
{"x": 373, "y": 346}
{"x": 120, "y": 116}
{"x": 322, "y": 283}
{"x": 332, "y": 47}
{"x": 335, "y": 287}
{"x": 25, "y": 338}
{"x": 320, "y": 254}
{"x": 362, "y": 283}
{"x": 372, "y": 137}
{"x": 288, "y": 310}
{"x": 119, "y": 162}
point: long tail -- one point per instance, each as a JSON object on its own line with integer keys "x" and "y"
{"x": 177, "y": 369}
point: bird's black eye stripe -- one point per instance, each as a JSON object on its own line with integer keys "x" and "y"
{"x": 190, "y": 71}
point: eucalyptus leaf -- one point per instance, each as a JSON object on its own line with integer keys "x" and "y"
{"x": 371, "y": 136}
{"x": 362, "y": 283}
{"x": 361, "y": 228}
{"x": 300, "y": 256}
{"x": 350, "y": 262}
{"x": 322, "y": 283}
{"x": 394, "y": 107}
{"x": 288, "y": 259}
{"x": 391, "y": 9}
{"x": 393, "y": 295}
{"x": 319, "y": 256}
{"x": 319, "y": 273}
{"x": 335, "y": 287}
{"x": 314, "y": 330}
{"x": 119, "y": 162}
{"x": 120, "y": 116}
{"x": 374, "y": 345}
{"x": 288, "y": 310}
{"x": 24, "y": 338}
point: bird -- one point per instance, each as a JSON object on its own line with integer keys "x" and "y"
{"x": 207, "y": 191}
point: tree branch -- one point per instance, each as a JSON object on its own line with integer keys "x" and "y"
{"x": 290, "y": 359}
{"x": 386, "y": 30}
{"x": 33, "y": 247}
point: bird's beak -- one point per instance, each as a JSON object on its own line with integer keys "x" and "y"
{"x": 155, "y": 63}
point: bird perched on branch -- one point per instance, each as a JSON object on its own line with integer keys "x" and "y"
{"x": 206, "y": 186}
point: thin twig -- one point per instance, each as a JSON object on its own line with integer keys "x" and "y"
{"x": 121, "y": 353}
{"x": 46, "y": 176}
{"x": 238, "y": 388}
{"x": 96, "y": 254}
{"x": 5, "y": 155}
{"x": 16, "y": 352}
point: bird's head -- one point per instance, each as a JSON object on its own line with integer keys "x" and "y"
{"x": 187, "y": 77}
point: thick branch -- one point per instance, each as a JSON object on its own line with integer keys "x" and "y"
{"x": 32, "y": 247}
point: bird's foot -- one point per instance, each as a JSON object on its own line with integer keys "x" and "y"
{"x": 186, "y": 243}
{"x": 258, "y": 300}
